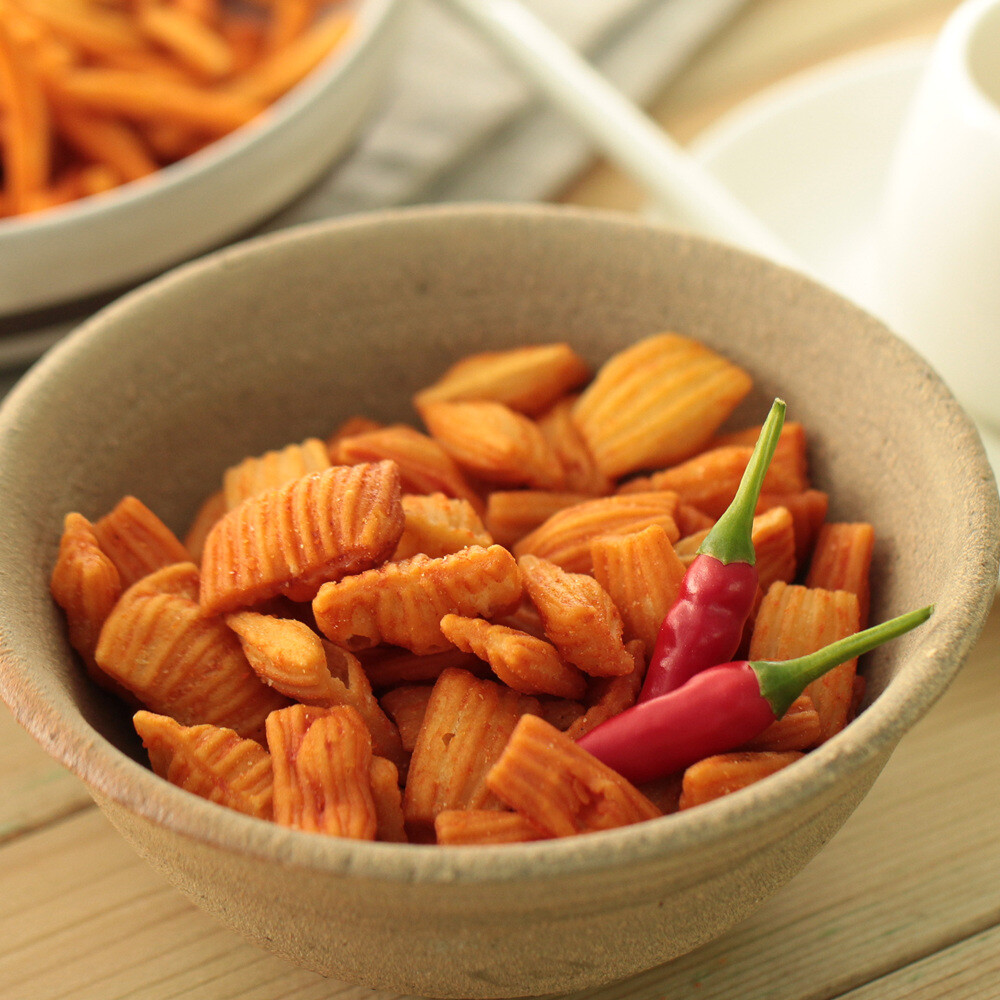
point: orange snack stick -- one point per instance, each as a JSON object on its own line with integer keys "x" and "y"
{"x": 389, "y": 666}
{"x": 565, "y": 537}
{"x": 797, "y": 729}
{"x": 512, "y": 514}
{"x": 285, "y": 730}
{"x": 179, "y": 661}
{"x": 610, "y": 696}
{"x": 210, "y": 761}
{"x": 195, "y": 44}
{"x": 580, "y": 471}
{"x": 709, "y": 480}
{"x": 808, "y": 510}
{"x": 527, "y": 379}
{"x": 437, "y": 525}
{"x": 579, "y": 618}
{"x": 105, "y": 140}
{"x": 561, "y": 788}
{"x": 466, "y": 727}
{"x": 522, "y": 662}
{"x": 137, "y": 541}
{"x": 86, "y": 584}
{"x": 465, "y": 827}
{"x": 333, "y": 770}
{"x": 842, "y": 561}
{"x": 273, "y": 469}
{"x": 657, "y": 403}
{"x": 293, "y": 538}
{"x": 402, "y": 603}
{"x": 494, "y": 443}
{"x": 714, "y": 777}
{"x": 406, "y": 705}
{"x": 641, "y": 573}
{"x": 388, "y": 800}
{"x": 424, "y": 466}
{"x": 773, "y": 536}
{"x": 212, "y": 508}
{"x": 288, "y": 656}
{"x": 793, "y": 621}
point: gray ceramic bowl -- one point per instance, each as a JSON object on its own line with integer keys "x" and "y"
{"x": 280, "y": 338}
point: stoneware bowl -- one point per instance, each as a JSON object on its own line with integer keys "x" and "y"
{"x": 281, "y": 338}
{"x": 109, "y": 240}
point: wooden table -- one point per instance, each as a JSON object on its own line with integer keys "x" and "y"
{"x": 903, "y": 903}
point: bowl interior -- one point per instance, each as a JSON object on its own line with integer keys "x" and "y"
{"x": 284, "y": 337}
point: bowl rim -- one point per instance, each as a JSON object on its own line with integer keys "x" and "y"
{"x": 370, "y": 15}
{"x": 113, "y": 776}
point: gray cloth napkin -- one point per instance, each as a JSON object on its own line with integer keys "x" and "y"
{"x": 457, "y": 124}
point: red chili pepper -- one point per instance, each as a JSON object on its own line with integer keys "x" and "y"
{"x": 721, "y": 708}
{"x": 704, "y": 625}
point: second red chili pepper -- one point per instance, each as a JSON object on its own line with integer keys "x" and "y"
{"x": 704, "y": 625}
{"x": 721, "y": 708}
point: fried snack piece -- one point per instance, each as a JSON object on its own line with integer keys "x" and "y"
{"x": 642, "y": 574}
{"x": 403, "y": 603}
{"x": 793, "y": 621}
{"x": 494, "y": 443}
{"x": 580, "y": 471}
{"x": 333, "y": 770}
{"x": 257, "y": 474}
{"x": 512, "y": 514}
{"x": 560, "y": 787}
{"x": 389, "y": 666}
{"x": 424, "y": 466}
{"x": 86, "y": 584}
{"x": 293, "y": 538}
{"x": 210, "y": 761}
{"x": 463, "y": 827}
{"x": 522, "y": 662}
{"x": 797, "y": 729}
{"x": 562, "y": 712}
{"x": 351, "y": 427}
{"x": 285, "y": 730}
{"x": 808, "y": 510}
{"x": 211, "y": 509}
{"x": 842, "y": 561}
{"x": 609, "y": 696}
{"x": 178, "y": 660}
{"x": 466, "y": 727}
{"x": 388, "y": 799}
{"x": 657, "y": 403}
{"x": 437, "y": 525}
{"x": 406, "y": 705}
{"x": 288, "y": 656}
{"x": 565, "y": 537}
{"x": 722, "y": 774}
{"x": 137, "y": 541}
{"x": 527, "y": 379}
{"x": 579, "y": 618}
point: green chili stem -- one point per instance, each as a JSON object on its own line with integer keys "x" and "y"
{"x": 730, "y": 539}
{"x": 782, "y": 681}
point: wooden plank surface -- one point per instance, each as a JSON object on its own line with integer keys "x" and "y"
{"x": 904, "y": 902}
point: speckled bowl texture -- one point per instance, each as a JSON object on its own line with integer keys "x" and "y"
{"x": 281, "y": 338}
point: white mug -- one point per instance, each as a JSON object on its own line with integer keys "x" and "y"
{"x": 938, "y": 248}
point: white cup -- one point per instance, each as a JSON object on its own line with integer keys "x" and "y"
{"x": 938, "y": 249}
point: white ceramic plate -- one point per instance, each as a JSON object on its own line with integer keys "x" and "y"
{"x": 810, "y": 156}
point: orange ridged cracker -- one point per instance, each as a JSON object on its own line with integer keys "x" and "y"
{"x": 494, "y": 443}
{"x": 424, "y": 466}
{"x": 389, "y": 666}
{"x": 724, "y": 774}
{"x": 260, "y": 473}
{"x": 137, "y": 541}
{"x": 402, "y": 603}
{"x": 466, "y": 727}
{"x": 210, "y": 761}
{"x": 437, "y": 525}
{"x": 609, "y": 696}
{"x": 657, "y": 403}
{"x": 579, "y": 617}
{"x": 527, "y": 379}
{"x": 464, "y": 827}
{"x": 212, "y": 508}
{"x": 522, "y": 662}
{"x": 566, "y": 536}
{"x": 561, "y": 788}
{"x": 797, "y": 729}
{"x": 512, "y": 514}
{"x": 177, "y": 660}
{"x": 406, "y": 705}
{"x": 842, "y": 561}
{"x": 580, "y": 471}
{"x": 285, "y": 730}
{"x": 642, "y": 574}
{"x": 292, "y": 539}
{"x": 387, "y": 798}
